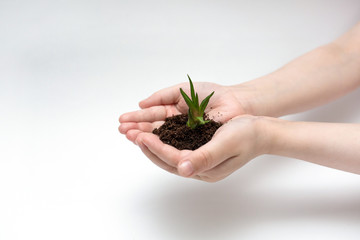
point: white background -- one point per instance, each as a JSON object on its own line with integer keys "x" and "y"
{"x": 69, "y": 68}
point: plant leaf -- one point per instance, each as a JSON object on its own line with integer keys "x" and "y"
{"x": 192, "y": 121}
{"x": 197, "y": 101}
{"x": 192, "y": 90}
{"x": 187, "y": 99}
{"x": 201, "y": 121}
{"x": 204, "y": 103}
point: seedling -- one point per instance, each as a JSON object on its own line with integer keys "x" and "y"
{"x": 196, "y": 111}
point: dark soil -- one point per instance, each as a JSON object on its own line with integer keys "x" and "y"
{"x": 176, "y": 133}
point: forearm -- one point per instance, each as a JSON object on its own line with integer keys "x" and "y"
{"x": 313, "y": 79}
{"x": 334, "y": 145}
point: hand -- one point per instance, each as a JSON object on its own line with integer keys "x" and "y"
{"x": 233, "y": 145}
{"x": 224, "y": 105}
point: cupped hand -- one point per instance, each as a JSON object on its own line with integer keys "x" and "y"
{"x": 233, "y": 145}
{"x": 223, "y": 106}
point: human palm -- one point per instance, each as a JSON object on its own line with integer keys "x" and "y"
{"x": 216, "y": 159}
{"x": 167, "y": 102}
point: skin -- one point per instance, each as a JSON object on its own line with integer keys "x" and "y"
{"x": 250, "y": 110}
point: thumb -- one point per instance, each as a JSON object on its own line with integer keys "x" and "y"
{"x": 206, "y": 157}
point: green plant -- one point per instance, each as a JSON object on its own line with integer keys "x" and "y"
{"x": 196, "y": 111}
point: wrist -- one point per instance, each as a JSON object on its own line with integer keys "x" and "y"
{"x": 258, "y": 96}
{"x": 270, "y": 131}
{"x": 246, "y": 95}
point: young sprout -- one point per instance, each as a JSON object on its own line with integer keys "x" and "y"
{"x": 196, "y": 111}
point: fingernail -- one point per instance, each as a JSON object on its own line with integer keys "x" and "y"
{"x": 186, "y": 169}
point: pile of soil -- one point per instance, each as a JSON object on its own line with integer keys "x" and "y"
{"x": 176, "y": 133}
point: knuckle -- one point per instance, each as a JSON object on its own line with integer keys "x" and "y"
{"x": 213, "y": 176}
{"x": 209, "y": 179}
{"x": 172, "y": 170}
{"x": 206, "y": 160}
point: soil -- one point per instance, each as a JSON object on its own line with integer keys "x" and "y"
{"x": 176, "y": 133}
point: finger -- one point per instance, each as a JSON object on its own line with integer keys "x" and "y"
{"x": 222, "y": 170}
{"x": 208, "y": 156}
{"x": 142, "y": 126}
{"x": 163, "y": 97}
{"x": 158, "y": 162}
{"x": 165, "y": 152}
{"x": 132, "y": 135}
{"x": 151, "y": 114}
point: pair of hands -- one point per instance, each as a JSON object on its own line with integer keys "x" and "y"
{"x": 233, "y": 145}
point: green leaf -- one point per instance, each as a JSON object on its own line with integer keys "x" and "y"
{"x": 197, "y": 101}
{"x": 192, "y": 90}
{"x": 201, "y": 120}
{"x": 191, "y": 121}
{"x": 204, "y": 103}
{"x": 187, "y": 99}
